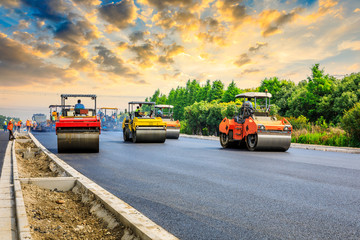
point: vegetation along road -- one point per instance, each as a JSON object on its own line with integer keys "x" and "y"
{"x": 197, "y": 190}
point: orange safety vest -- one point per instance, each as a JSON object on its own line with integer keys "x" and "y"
{"x": 19, "y": 123}
{"x": 10, "y": 126}
{"x": 28, "y": 124}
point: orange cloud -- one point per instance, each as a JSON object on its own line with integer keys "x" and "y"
{"x": 325, "y": 7}
{"x": 20, "y": 67}
{"x": 271, "y": 20}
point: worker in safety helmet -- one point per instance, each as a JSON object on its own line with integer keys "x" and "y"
{"x": 28, "y": 125}
{"x": 137, "y": 111}
{"x": 5, "y": 126}
{"x": 79, "y": 105}
{"x": 10, "y": 127}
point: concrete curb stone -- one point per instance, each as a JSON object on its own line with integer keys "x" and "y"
{"x": 293, "y": 145}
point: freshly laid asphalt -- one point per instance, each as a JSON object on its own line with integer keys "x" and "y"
{"x": 197, "y": 190}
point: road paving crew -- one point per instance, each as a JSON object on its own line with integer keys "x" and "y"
{"x": 10, "y": 127}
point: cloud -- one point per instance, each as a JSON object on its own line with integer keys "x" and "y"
{"x": 353, "y": 45}
{"x": 138, "y": 36}
{"x": 54, "y": 10}
{"x": 145, "y": 54}
{"x": 88, "y": 3}
{"x": 272, "y": 20}
{"x": 122, "y": 14}
{"x": 23, "y": 24}
{"x": 232, "y": 11}
{"x": 18, "y": 67}
{"x": 76, "y": 32}
{"x": 257, "y": 47}
{"x": 162, "y": 4}
{"x": 170, "y": 52}
{"x": 325, "y": 7}
{"x": 242, "y": 60}
{"x": 177, "y": 19}
{"x": 43, "y": 47}
{"x": 250, "y": 71}
{"x": 77, "y": 55}
{"x": 109, "y": 62}
{"x": 10, "y": 3}
{"x": 23, "y": 37}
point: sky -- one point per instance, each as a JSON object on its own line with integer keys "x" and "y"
{"x": 125, "y": 50}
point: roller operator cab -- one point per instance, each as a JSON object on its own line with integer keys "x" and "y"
{"x": 55, "y": 113}
{"x": 109, "y": 119}
{"x": 255, "y": 127}
{"x": 142, "y": 125}
{"x": 78, "y": 127}
{"x": 166, "y": 113}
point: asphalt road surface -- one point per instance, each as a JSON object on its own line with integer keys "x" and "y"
{"x": 197, "y": 190}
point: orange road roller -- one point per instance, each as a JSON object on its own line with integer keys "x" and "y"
{"x": 255, "y": 127}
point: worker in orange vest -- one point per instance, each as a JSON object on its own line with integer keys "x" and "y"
{"x": 10, "y": 127}
{"x": 28, "y": 125}
{"x": 18, "y": 125}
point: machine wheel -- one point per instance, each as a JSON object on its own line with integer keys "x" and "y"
{"x": 134, "y": 136}
{"x": 125, "y": 136}
{"x": 224, "y": 140}
{"x": 251, "y": 141}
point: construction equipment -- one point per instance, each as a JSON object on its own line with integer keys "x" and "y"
{"x": 55, "y": 113}
{"x": 142, "y": 125}
{"x": 255, "y": 127}
{"x": 109, "y": 119}
{"x": 41, "y": 123}
{"x": 166, "y": 113}
{"x": 78, "y": 130}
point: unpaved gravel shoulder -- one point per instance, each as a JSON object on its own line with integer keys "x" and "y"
{"x": 38, "y": 166}
{"x": 62, "y": 215}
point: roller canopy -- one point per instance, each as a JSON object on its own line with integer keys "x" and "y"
{"x": 254, "y": 95}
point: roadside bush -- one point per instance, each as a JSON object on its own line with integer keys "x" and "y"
{"x": 350, "y": 122}
{"x": 300, "y": 122}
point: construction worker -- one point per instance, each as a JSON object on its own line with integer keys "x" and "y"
{"x": 5, "y": 126}
{"x": 34, "y": 125}
{"x": 137, "y": 111}
{"x": 79, "y": 105}
{"x": 28, "y": 125}
{"x": 10, "y": 127}
{"x": 249, "y": 103}
{"x": 159, "y": 113}
{"x": 18, "y": 125}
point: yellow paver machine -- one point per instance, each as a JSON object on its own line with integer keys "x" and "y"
{"x": 172, "y": 126}
{"x": 142, "y": 125}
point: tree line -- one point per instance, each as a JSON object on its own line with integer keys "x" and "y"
{"x": 320, "y": 98}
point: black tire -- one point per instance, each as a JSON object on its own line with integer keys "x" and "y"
{"x": 134, "y": 137}
{"x": 125, "y": 136}
{"x": 224, "y": 140}
{"x": 251, "y": 142}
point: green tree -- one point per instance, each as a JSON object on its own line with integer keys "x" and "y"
{"x": 230, "y": 93}
{"x": 204, "y": 92}
{"x": 217, "y": 90}
{"x": 319, "y": 86}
